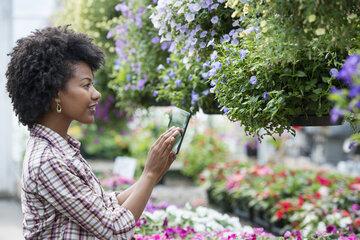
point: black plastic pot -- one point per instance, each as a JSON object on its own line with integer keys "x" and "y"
{"x": 210, "y": 105}
{"x": 148, "y": 101}
{"x": 310, "y": 120}
{"x": 225, "y": 203}
{"x": 210, "y": 197}
{"x": 262, "y": 218}
{"x": 242, "y": 209}
{"x": 278, "y": 227}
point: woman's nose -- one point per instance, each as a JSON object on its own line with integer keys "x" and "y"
{"x": 96, "y": 94}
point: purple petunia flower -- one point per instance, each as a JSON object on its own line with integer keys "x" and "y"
{"x": 194, "y": 97}
{"x": 235, "y": 41}
{"x": 243, "y": 54}
{"x": 155, "y": 93}
{"x": 333, "y": 72}
{"x": 214, "y": 6}
{"x": 155, "y": 40}
{"x": 265, "y": 96}
{"x": 141, "y": 84}
{"x": 205, "y": 75}
{"x": 203, "y": 34}
{"x": 213, "y": 56}
{"x": 165, "y": 45}
{"x": 253, "y": 80}
{"x": 225, "y": 110}
{"x": 206, "y": 64}
{"x": 226, "y": 38}
{"x": 189, "y": 17}
{"x": 171, "y": 74}
{"x": 334, "y": 90}
{"x": 349, "y": 69}
{"x": 194, "y": 7}
{"x": 354, "y": 91}
{"x": 178, "y": 83}
{"x": 212, "y": 72}
{"x": 217, "y": 65}
{"x": 214, "y": 19}
{"x": 335, "y": 114}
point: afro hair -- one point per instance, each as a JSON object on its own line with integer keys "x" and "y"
{"x": 41, "y": 64}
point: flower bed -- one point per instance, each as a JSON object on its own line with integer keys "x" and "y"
{"x": 164, "y": 221}
{"x": 280, "y": 199}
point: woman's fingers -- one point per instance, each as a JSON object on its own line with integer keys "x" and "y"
{"x": 166, "y": 137}
{"x": 161, "y": 138}
{"x": 171, "y": 158}
{"x": 169, "y": 143}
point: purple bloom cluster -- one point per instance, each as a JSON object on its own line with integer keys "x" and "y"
{"x": 350, "y": 69}
{"x": 103, "y": 109}
{"x": 347, "y": 74}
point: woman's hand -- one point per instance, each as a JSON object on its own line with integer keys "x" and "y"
{"x": 160, "y": 156}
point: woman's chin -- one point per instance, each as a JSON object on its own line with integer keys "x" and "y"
{"x": 88, "y": 120}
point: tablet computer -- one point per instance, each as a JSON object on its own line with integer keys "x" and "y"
{"x": 179, "y": 118}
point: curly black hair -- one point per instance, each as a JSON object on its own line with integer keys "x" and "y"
{"x": 40, "y": 66}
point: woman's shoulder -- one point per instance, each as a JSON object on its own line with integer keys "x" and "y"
{"x": 38, "y": 151}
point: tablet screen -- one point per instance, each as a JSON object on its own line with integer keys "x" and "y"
{"x": 179, "y": 118}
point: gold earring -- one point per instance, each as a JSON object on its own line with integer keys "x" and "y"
{"x": 58, "y": 107}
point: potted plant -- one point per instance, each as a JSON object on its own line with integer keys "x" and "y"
{"x": 138, "y": 54}
{"x": 280, "y": 68}
{"x": 192, "y": 28}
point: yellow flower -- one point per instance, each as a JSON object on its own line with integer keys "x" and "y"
{"x": 246, "y": 9}
{"x": 320, "y": 31}
{"x": 75, "y": 131}
{"x": 263, "y": 23}
{"x": 119, "y": 141}
{"x": 311, "y": 18}
{"x": 236, "y": 14}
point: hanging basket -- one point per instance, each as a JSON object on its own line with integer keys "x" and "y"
{"x": 149, "y": 101}
{"x": 311, "y": 120}
{"x": 210, "y": 105}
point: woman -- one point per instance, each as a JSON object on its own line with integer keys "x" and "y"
{"x": 50, "y": 83}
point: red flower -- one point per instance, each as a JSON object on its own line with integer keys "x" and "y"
{"x": 279, "y": 214}
{"x": 345, "y": 213}
{"x": 286, "y": 205}
{"x": 317, "y": 195}
{"x": 323, "y": 181}
{"x": 357, "y": 223}
{"x": 301, "y": 200}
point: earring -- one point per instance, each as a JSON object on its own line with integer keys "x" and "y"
{"x": 58, "y": 107}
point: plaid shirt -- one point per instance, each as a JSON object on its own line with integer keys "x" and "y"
{"x": 62, "y": 198}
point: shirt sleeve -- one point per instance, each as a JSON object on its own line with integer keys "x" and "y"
{"x": 111, "y": 199}
{"x": 68, "y": 194}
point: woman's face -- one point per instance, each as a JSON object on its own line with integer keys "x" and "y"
{"x": 79, "y": 99}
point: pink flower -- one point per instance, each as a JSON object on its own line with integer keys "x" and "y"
{"x": 233, "y": 181}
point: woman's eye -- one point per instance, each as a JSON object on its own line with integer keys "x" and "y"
{"x": 87, "y": 85}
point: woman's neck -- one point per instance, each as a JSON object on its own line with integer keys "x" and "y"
{"x": 56, "y": 123}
